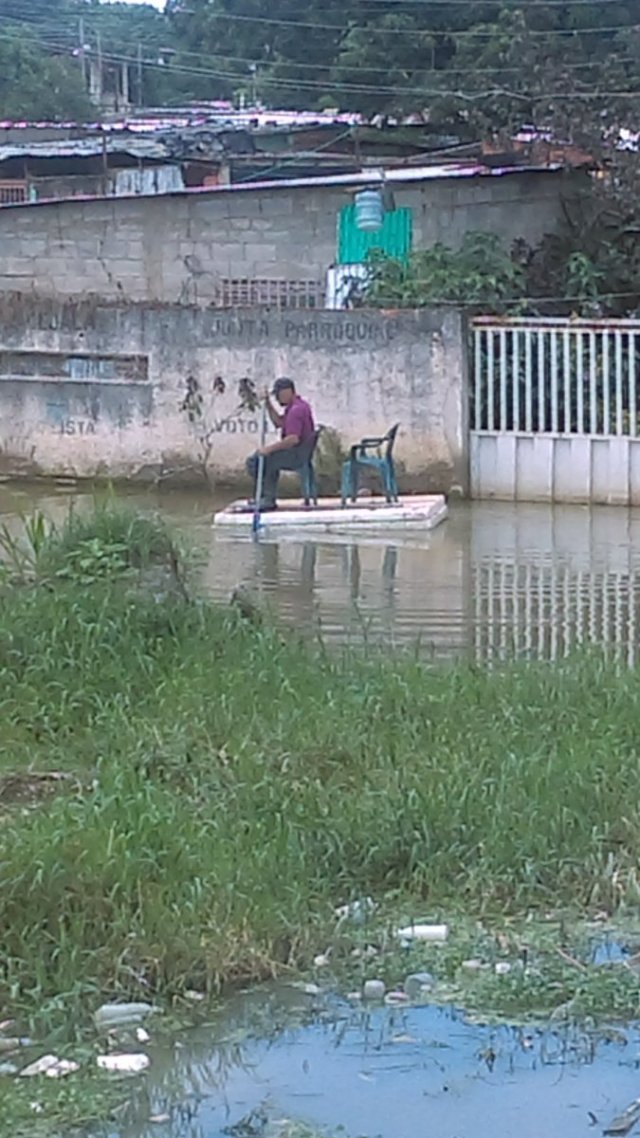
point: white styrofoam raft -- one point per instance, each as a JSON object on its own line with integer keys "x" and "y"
{"x": 371, "y": 515}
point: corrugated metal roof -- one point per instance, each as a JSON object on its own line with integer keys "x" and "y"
{"x": 223, "y": 116}
{"x": 88, "y": 148}
{"x": 360, "y": 178}
{"x": 373, "y": 176}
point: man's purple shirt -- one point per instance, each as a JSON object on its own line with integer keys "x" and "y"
{"x": 298, "y": 420}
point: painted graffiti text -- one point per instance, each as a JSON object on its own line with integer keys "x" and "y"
{"x": 77, "y": 427}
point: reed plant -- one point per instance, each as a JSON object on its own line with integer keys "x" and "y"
{"x": 223, "y": 785}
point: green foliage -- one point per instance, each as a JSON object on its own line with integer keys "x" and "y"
{"x": 111, "y": 542}
{"x": 34, "y": 84}
{"x": 493, "y": 63}
{"x": 113, "y": 533}
{"x": 50, "y": 1108}
{"x": 593, "y": 258}
{"x": 478, "y": 274}
{"x": 210, "y": 828}
{"x": 565, "y": 274}
{"x": 19, "y": 553}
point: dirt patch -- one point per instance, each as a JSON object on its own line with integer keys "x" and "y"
{"x": 28, "y": 788}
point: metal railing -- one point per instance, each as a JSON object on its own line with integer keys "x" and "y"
{"x": 263, "y": 292}
{"x": 558, "y": 376}
{"x": 13, "y": 192}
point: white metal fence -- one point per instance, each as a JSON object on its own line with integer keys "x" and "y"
{"x": 555, "y": 409}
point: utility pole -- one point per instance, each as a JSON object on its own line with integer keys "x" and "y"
{"x": 140, "y": 101}
{"x": 100, "y": 91}
{"x": 82, "y": 50}
{"x": 105, "y": 164}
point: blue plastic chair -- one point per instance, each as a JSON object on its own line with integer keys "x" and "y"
{"x": 380, "y": 462}
{"x": 307, "y": 474}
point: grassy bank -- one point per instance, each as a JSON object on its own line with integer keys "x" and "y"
{"x": 222, "y": 786}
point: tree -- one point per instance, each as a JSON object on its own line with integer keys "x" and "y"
{"x": 281, "y": 52}
{"x": 134, "y": 34}
{"x": 36, "y": 85}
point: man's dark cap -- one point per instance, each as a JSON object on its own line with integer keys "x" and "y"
{"x": 283, "y": 384}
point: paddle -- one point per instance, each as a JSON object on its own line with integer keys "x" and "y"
{"x": 255, "y": 526}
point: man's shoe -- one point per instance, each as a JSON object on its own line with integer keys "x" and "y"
{"x": 250, "y": 508}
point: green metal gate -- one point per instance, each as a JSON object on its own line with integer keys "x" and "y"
{"x": 394, "y": 239}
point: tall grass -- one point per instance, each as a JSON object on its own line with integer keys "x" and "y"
{"x": 232, "y": 784}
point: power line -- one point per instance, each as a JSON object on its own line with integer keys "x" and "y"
{"x": 376, "y": 69}
{"x": 435, "y": 92}
{"x": 451, "y": 69}
{"x": 332, "y": 67}
{"x": 463, "y": 33}
{"x": 361, "y": 88}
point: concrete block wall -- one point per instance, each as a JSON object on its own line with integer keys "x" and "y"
{"x": 362, "y": 371}
{"x": 176, "y": 248}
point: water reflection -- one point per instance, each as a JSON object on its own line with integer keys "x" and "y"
{"x": 389, "y": 1072}
{"x": 497, "y": 579}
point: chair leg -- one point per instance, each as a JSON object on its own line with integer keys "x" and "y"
{"x": 392, "y": 482}
{"x": 344, "y": 484}
{"x": 349, "y": 487}
{"x": 354, "y": 479}
{"x": 386, "y": 483}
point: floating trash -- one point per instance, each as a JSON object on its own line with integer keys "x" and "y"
{"x": 306, "y": 988}
{"x": 42, "y": 1066}
{"x": 624, "y": 1122}
{"x": 124, "y": 1064}
{"x": 356, "y": 911}
{"x": 396, "y": 998}
{"x": 437, "y": 934}
{"x": 119, "y": 1015}
{"x": 418, "y": 984}
{"x": 374, "y": 990}
{"x": 473, "y": 965}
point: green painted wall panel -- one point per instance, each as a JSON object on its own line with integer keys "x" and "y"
{"x": 394, "y": 239}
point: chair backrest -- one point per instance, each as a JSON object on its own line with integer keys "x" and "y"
{"x": 391, "y": 438}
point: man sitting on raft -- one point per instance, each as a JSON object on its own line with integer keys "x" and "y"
{"x": 294, "y": 419}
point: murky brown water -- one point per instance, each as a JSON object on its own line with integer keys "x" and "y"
{"x": 495, "y": 579}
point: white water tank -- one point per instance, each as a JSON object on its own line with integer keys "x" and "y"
{"x": 369, "y": 210}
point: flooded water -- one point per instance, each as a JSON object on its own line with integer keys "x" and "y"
{"x": 395, "y": 1074}
{"x": 496, "y": 579}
